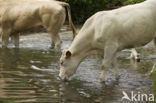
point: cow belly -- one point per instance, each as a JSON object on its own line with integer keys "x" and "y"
{"x": 26, "y": 23}
{"x": 131, "y": 43}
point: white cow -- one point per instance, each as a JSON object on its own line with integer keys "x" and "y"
{"x": 20, "y": 15}
{"x": 110, "y": 32}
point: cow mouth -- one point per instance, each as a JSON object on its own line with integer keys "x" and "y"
{"x": 63, "y": 78}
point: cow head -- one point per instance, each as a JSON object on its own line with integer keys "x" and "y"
{"x": 68, "y": 65}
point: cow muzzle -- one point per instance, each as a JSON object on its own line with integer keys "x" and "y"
{"x": 63, "y": 77}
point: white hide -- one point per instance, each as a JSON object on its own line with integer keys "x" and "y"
{"x": 112, "y": 31}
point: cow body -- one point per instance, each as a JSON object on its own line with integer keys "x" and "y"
{"x": 110, "y": 32}
{"x": 20, "y": 15}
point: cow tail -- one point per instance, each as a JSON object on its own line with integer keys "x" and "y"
{"x": 67, "y": 6}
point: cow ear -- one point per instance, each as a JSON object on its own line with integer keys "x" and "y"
{"x": 68, "y": 54}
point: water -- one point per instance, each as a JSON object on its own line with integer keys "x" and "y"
{"x": 30, "y": 74}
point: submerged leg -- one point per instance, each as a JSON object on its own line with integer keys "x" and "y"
{"x": 15, "y": 39}
{"x": 109, "y": 55}
{"x": 52, "y": 24}
{"x": 5, "y": 39}
{"x": 55, "y": 38}
{"x": 52, "y": 45}
{"x": 56, "y": 41}
{"x": 115, "y": 67}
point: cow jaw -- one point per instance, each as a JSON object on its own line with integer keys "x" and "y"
{"x": 68, "y": 69}
{"x": 63, "y": 75}
{"x": 66, "y": 72}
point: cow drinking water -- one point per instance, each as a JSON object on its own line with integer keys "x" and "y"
{"x": 110, "y": 32}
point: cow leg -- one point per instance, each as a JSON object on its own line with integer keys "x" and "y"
{"x": 109, "y": 56}
{"x": 134, "y": 55}
{"x": 15, "y": 39}
{"x": 56, "y": 41}
{"x": 52, "y": 45}
{"x": 53, "y": 25}
{"x": 154, "y": 66}
{"x": 54, "y": 30}
{"x": 115, "y": 66}
{"x": 5, "y": 39}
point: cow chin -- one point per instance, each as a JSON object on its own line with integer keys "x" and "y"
{"x": 62, "y": 75}
{"x": 66, "y": 72}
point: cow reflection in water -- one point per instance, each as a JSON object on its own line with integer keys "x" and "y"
{"x": 9, "y": 58}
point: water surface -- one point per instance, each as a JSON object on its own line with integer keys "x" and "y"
{"x": 30, "y": 74}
